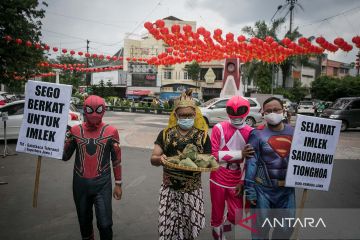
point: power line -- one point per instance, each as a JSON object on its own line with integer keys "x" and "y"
{"x": 330, "y": 17}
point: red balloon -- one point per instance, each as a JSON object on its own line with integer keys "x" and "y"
{"x": 55, "y": 49}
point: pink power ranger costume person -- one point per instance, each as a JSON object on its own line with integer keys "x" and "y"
{"x": 229, "y": 146}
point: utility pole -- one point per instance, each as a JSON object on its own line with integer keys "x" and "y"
{"x": 87, "y": 76}
{"x": 292, "y": 6}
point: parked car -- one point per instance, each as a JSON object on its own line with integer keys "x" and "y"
{"x": 214, "y": 111}
{"x": 345, "y": 109}
{"x": 2, "y": 100}
{"x": 306, "y": 108}
{"x": 15, "y": 112}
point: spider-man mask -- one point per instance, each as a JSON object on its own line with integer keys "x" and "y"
{"x": 94, "y": 109}
{"x": 237, "y": 107}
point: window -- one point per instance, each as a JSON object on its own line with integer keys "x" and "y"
{"x": 355, "y": 104}
{"x": 220, "y": 104}
{"x": 252, "y": 103}
{"x": 16, "y": 109}
{"x": 186, "y": 75}
{"x": 167, "y": 75}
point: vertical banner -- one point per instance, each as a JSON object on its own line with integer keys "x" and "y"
{"x": 46, "y": 114}
{"x": 312, "y": 153}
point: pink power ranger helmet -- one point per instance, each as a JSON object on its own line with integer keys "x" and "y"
{"x": 237, "y": 107}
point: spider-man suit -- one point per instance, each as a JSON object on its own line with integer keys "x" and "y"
{"x": 95, "y": 143}
{"x": 228, "y": 140}
{"x": 265, "y": 179}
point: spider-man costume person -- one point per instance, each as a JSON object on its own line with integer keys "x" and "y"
{"x": 229, "y": 146}
{"x": 95, "y": 143}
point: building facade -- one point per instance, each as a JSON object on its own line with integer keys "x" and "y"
{"x": 170, "y": 80}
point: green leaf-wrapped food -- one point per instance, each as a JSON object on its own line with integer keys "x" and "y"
{"x": 202, "y": 163}
{"x": 190, "y": 151}
{"x": 187, "y": 163}
{"x": 174, "y": 160}
{"x": 213, "y": 162}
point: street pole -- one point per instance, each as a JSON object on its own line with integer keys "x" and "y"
{"x": 57, "y": 71}
{"x": 292, "y": 5}
{"x": 87, "y": 76}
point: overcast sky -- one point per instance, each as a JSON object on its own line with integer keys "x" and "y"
{"x": 106, "y": 23}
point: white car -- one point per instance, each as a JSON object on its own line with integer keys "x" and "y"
{"x": 15, "y": 112}
{"x": 306, "y": 108}
{"x": 214, "y": 111}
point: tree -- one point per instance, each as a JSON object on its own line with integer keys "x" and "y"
{"x": 329, "y": 88}
{"x": 109, "y": 89}
{"x": 20, "y": 19}
{"x": 193, "y": 70}
{"x": 255, "y": 68}
{"x": 73, "y": 78}
{"x": 100, "y": 89}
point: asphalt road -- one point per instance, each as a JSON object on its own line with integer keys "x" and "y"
{"x": 135, "y": 216}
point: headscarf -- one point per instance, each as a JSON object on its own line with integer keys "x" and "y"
{"x": 186, "y": 100}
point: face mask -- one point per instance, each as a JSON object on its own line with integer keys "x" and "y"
{"x": 273, "y": 118}
{"x": 186, "y": 123}
{"x": 237, "y": 122}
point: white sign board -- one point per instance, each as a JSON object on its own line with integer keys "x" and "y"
{"x": 312, "y": 153}
{"x": 46, "y": 114}
{"x": 4, "y": 116}
{"x": 113, "y": 76}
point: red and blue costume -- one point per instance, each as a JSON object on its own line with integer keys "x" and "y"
{"x": 265, "y": 179}
{"x": 96, "y": 144}
{"x": 228, "y": 140}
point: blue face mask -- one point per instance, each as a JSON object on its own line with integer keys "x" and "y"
{"x": 186, "y": 123}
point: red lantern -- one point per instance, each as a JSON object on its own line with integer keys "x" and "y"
{"x": 148, "y": 25}
{"x": 80, "y": 53}
{"x": 175, "y": 28}
{"x": 286, "y": 41}
{"x": 46, "y": 47}
{"x": 101, "y": 57}
{"x": 37, "y": 45}
{"x": 108, "y": 57}
{"x": 64, "y": 50}
{"x": 241, "y": 38}
{"x": 87, "y": 55}
{"x": 8, "y": 38}
{"x": 28, "y": 43}
{"x": 55, "y": 49}
{"x": 114, "y": 58}
{"x": 160, "y": 23}
{"x": 94, "y": 55}
{"x": 72, "y": 52}
{"x": 18, "y": 41}
{"x": 320, "y": 40}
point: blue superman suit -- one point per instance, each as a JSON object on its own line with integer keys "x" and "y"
{"x": 264, "y": 180}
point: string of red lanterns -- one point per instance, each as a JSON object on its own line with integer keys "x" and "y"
{"x": 54, "y": 49}
{"x": 79, "y": 67}
{"x": 186, "y": 45}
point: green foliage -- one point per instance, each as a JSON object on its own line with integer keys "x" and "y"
{"x": 109, "y": 90}
{"x": 73, "y": 78}
{"x": 193, "y": 70}
{"x": 20, "y": 19}
{"x": 295, "y": 94}
{"x": 100, "y": 89}
{"x": 329, "y": 89}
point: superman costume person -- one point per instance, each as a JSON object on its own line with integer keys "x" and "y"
{"x": 229, "y": 146}
{"x": 96, "y": 143}
{"x": 266, "y": 170}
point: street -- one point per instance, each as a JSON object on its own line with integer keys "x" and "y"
{"x": 135, "y": 216}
